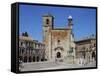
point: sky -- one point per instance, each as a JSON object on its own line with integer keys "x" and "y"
{"x": 30, "y": 20}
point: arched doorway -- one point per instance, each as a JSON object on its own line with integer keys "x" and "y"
{"x": 33, "y": 58}
{"x": 25, "y": 59}
{"x": 93, "y": 55}
{"x": 37, "y": 58}
{"x": 30, "y": 59}
{"x": 58, "y": 55}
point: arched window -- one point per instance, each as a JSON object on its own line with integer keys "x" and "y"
{"x": 47, "y": 21}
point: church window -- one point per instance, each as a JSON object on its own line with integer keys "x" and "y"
{"x": 47, "y": 21}
{"x": 58, "y": 41}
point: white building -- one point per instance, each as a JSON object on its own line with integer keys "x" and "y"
{"x": 30, "y": 50}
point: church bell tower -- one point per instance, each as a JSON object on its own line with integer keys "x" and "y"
{"x": 47, "y": 27}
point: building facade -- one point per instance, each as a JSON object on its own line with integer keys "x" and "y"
{"x": 86, "y": 49}
{"x": 59, "y": 42}
{"x": 30, "y": 50}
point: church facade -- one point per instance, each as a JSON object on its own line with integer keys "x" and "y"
{"x": 59, "y": 42}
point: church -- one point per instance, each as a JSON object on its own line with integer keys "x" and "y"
{"x": 59, "y": 42}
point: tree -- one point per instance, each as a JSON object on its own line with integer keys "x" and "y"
{"x": 25, "y": 34}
